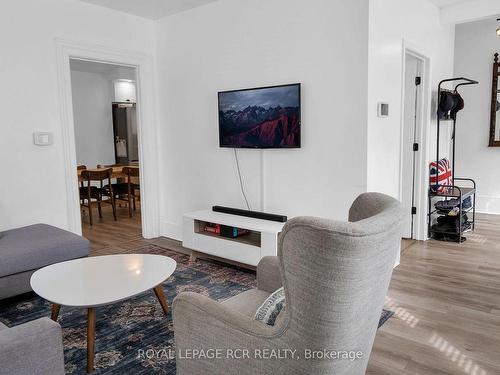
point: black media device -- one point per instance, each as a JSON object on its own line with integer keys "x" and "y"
{"x": 248, "y": 213}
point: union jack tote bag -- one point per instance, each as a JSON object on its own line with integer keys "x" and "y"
{"x": 442, "y": 174}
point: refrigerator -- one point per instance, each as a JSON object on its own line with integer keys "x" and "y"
{"x": 125, "y": 133}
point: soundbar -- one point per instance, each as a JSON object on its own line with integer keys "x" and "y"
{"x": 248, "y": 213}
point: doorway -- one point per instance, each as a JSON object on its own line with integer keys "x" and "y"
{"x": 147, "y": 127}
{"x": 411, "y": 142}
{"x": 104, "y": 104}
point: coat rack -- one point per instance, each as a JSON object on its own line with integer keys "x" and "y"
{"x": 464, "y": 82}
{"x": 452, "y": 191}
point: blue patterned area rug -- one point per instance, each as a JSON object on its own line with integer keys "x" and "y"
{"x": 125, "y": 327}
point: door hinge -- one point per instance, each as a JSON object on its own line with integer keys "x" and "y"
{"x": 414, "y": 210}
{"x": 415, "y": 147}
{"x": 418, "y": 81}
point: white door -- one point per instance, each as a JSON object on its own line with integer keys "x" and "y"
{"x": 410, "y": 146}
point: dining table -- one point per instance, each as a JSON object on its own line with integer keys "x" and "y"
{"x": 117, "y": 171}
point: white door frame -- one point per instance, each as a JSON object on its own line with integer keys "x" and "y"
{"x": 423, "y": 132}
{"x": 146, "y": 127}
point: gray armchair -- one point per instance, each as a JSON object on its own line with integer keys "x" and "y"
{"x": 31, "y": 348}
{"x": 335, "y": 275}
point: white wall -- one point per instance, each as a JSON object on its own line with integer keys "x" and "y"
{"x": 474, "y": 48}
{"x": 36, "y": 191}
{"x": 234, "y": 44}
{"x": 392, "y": 22}
{"x": 92, "y": 112}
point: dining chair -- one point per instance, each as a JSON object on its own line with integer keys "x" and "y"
{"x": 103, "y": 166}
{"x": 80, "y": 168}
{"x": 126, "y": 191}
{"x": 90, "y": 191}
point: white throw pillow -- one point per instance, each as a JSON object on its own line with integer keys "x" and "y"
{"x": 272, "y": 306}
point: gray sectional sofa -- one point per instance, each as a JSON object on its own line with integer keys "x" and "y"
{"x": 24, "y": 250}
{"x": 34, "y": 347}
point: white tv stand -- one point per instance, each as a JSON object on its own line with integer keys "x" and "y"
{"x": 247, "y": 249}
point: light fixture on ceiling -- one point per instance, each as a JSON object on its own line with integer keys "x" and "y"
{"x": 498, "y": 28}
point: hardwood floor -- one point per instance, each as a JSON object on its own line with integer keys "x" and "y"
{"x": 406, "y": 243}
{"x": 446, "y": 299}
{"x": 110, "y": 237}
{"x": 447, "y": 302}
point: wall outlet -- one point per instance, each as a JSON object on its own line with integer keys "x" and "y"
{"x": 43, "y": 138}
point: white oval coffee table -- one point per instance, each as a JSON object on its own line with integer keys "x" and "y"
{"x": 96, "y": 281}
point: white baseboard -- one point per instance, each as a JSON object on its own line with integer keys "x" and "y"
{"x": 171, "y": 230}
{"x": 488, "y": 204}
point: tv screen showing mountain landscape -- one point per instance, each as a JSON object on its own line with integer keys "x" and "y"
{"x": 260, "y": 118}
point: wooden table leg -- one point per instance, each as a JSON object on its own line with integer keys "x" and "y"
{"x": 55, "y": 311}
{"x": 160, "y": 294}
{"x": 90, "y": 339}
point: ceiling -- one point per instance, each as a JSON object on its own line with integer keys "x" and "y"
{"x": 156, "y": 9}
{"x": 445, "y": 3}
{"x": 110, "y": 70}
{"x": 91, "y": 66}
{"x": 152, "y": 9}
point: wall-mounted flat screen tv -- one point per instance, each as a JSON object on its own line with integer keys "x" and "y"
{"x": 265, "y": 117}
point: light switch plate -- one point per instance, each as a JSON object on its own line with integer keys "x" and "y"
{"x": 43, "y": 138}
{"x": 383, "y": 109}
